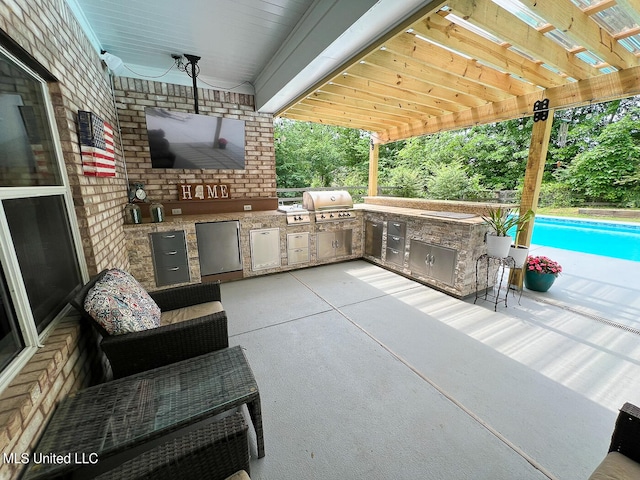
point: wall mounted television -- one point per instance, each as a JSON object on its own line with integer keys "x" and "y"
{"x": 192, "y": 141}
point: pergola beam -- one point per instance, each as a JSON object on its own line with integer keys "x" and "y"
{"x": 568, "y": 18}
{"x": 612, "y": 86}
{"x": 494, "y": 19}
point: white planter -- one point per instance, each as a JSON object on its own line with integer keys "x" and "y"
{"x": 519, "y": 254}
{"x": 498, "y": 246}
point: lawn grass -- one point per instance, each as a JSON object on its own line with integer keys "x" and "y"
{"x": 573, "y": 212}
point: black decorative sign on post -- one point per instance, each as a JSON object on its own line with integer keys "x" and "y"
{"x": 541, "y": 110}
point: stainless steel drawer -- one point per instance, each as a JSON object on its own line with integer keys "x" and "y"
{"x": 297, "y": 255}
{"x": 166, "y": 275}
{"x": 297, "y": 240}
{"x": 396, "y": 229}
{"x": 168, "y": 241}
{"x": 170, "y": 260}
{"x": 396, "y": 243}
{"x": 395, "y": 256}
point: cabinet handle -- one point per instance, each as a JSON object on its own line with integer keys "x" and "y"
{"x": 395, "y": 239}
{"x": 173, "y": 269}
{"x": 171, "y": 253}
{"x": 265, "y": 233}
{"x": 432, "y": 260}
{"x": 169, "y": 236}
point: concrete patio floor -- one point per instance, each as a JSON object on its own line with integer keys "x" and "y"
{"x": 365, "y": 374}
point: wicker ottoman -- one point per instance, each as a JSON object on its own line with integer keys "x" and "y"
{"x": 213, "y": 452}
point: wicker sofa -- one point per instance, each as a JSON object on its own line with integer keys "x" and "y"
{"x": 623, "y": 460}
{"x": 193, "y": 322}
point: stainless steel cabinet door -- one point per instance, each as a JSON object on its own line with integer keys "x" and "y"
{"x": 343, "y": 242}
{"x": 444, "y": 263}
{"x": 433, "y": 261}
{"x": 326, "y": 244}
{"x": 265, "y": 248}
{"x": 373, "y": 239}
{"x": 219, "y": 247}
{"x": 419, "y": 257}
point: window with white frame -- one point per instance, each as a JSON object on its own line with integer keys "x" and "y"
{"x": 39, "y": 240}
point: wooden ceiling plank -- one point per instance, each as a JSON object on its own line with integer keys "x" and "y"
{"x": 400, "y": 94}
{"x": 611, "y": 86}
{"x": 429, "y": 7}
{"x": 629, "y": 32}
{"x": 599, "y": 7}
{"x": 409, "y": 45}
{"x": 364, "y": 105}
{"x": 347, "y": 107}
{"x": 305, "y": 116}
{"x": 392, "y": 79}
{"x": 569, "y": 19}
{"x": 442, "y": 31}
{"x": 501, "y": 23}
{"x": 414, "y": 68}
{"x": 367, "y": 96}
{"x": 322, "y": 109}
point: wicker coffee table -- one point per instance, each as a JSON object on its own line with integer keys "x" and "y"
{"x": 101, "y": 427}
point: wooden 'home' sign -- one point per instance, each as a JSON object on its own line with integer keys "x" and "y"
{"x": 203, "y": 191}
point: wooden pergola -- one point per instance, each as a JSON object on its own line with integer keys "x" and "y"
{"x": 459, "y": 63}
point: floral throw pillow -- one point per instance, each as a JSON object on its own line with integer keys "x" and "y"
{"x": 120, "y": 305}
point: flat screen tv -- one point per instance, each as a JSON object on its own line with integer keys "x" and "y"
{"x": 191, "y": 141}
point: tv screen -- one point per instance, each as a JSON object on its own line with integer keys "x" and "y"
{"x": 191, "y": 141}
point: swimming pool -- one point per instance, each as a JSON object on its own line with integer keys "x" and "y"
{"x": 610, "y": 239}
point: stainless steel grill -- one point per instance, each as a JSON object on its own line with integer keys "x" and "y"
{"x": 329, "y": 205}
{"x": 327, "y": 200}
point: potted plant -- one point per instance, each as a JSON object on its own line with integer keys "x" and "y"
{"x": 501, "y": 220}
{"x": 540, "y": 272}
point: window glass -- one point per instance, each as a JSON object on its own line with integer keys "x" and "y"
{"x": 43, "y": 243}
{"x": 10, "y": 339}
{"x": 27, "y": 152}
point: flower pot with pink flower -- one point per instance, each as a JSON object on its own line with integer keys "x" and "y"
{"x": 540, "y": 272}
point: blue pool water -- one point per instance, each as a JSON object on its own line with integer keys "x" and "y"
{"x": 610, "y": 239}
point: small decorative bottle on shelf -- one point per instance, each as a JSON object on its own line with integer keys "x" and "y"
{"x": 133, "y": 214}
{"x": 157, "y": 212}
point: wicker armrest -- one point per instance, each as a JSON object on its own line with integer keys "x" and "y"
{"x": 140, "y": 351}
{"x": 626, "y": 435}
{"x": 180, "y": 297}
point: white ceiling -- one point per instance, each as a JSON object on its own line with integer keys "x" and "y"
{"x": 274, "y": 49}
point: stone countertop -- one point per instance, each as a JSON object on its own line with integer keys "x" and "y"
{"x": 177, "y": 220}
{"x": 449, "y": 217}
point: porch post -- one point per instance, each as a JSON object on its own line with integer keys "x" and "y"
{"x": 540, "y": 135}
{"x": 373, "y": 169}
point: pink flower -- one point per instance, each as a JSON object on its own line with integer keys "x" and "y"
{"x": 542, "y": 264}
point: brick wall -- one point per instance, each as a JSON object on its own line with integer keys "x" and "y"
{"x": 257, "y": 180}
{"x": 69, "y": 361}
{"x": 47, "y": 32}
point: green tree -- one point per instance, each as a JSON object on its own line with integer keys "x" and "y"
{"x": 452, "y": 181}
{"x": 597, "y": 173}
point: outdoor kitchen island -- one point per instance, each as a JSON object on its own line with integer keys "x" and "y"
{"x": 433, "y": 241}
{"x": 436, "y": 244}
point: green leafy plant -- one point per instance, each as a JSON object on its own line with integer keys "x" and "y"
{"x": 502, "y": 219}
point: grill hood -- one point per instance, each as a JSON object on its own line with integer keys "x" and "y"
{"x": 327, "y": 200}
